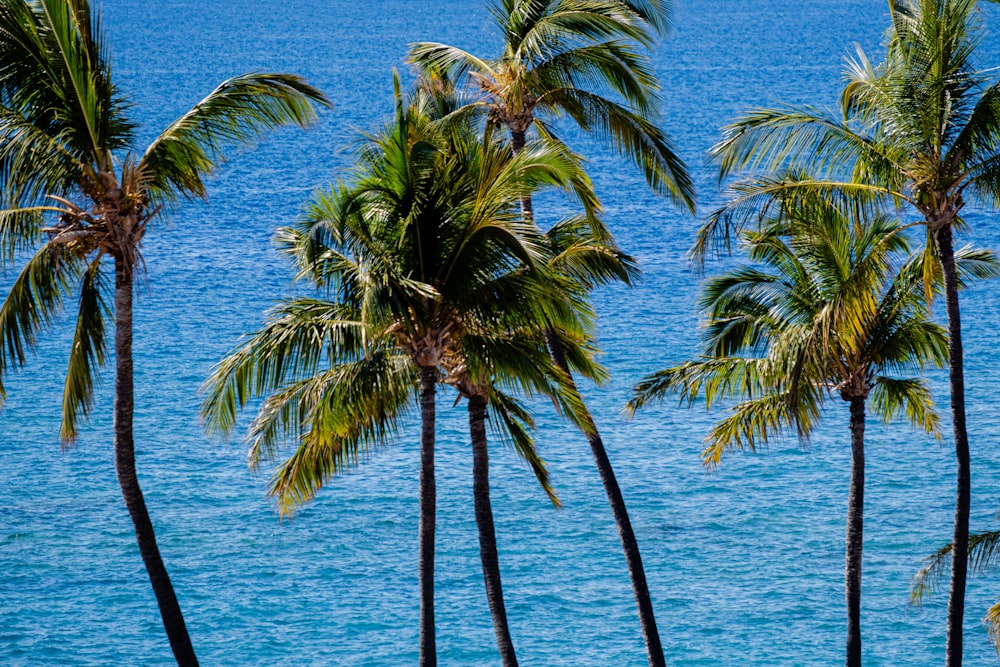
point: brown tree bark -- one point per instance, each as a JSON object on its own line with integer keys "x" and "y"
{"x": 170, "y": 610}
{"x": 956, "y": 376}
{"x": 428, "y": 509}
{"x": 855, "y": 533}
{"x": 650, "y": 634}
{"x": 487, "y": 535}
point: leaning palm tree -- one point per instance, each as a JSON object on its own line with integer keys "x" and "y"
{"x": 564, "y": 57}
{"x": 67, "y": 154}
{"x": 827, "y": 308}
{"x": 920, "y": 129}
{"x": 412, "y": 252}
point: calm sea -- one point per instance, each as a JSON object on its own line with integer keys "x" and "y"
{"x": 745, "y": 564}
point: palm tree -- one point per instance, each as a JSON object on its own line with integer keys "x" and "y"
{"x": 66, "y": 151}
{"x": 921, "y": 129}
{"x": 567, "y": 57}
{"x": 415, "y": 253}
{"x": 825, "y": 309}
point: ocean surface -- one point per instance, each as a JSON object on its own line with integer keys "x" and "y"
{"x": 745, "y": 564}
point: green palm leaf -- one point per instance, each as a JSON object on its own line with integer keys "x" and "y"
{"x": 236, "y": 113}
{"x": 88, "y": 352}
{"x": 34, "y": 300}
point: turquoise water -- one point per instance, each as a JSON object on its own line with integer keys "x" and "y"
{"x": 745, "y": 564}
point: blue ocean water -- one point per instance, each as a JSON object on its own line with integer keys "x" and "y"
{"x": 745, "y": 564}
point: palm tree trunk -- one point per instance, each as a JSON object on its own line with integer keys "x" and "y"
{"x": 960, "y": 538}
{"x": 650, "y": 635}
{"x": 516, "y": 144}
{"x": 855, "y": 533}
{"x": 428, "y": 508}
{"x": 170, "y": 610}
{"x": 484, "y": 522}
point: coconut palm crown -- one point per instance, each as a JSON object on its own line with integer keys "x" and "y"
{"x": 588, "y": 61}
{"x": 585, "y": 60}
{"x": 429, "y": 274}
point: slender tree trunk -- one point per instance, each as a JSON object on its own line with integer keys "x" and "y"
{"x": 170, "y": 610}
{"x": 516, "y": 144}
{"x": 484, "y": 522}
{"x": 428, "y": 509}
{"x": 960, "y": 538}
{"x": 855, "y": 533}
{"x": 650, "y": 635}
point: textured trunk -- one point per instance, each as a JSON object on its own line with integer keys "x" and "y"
{"x": 170, "y": 610}
{"x": 960, "y": 538}
{"x": 428, "y": 508}
{"x": 516, "y": 144}
{"x": 484, "y": 522}
{"x": 654, "y": 650}
{"x": 855, "y": 533}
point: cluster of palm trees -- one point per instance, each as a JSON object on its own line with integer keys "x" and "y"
{"x": 920, "y": 132}
{"x": 428, "y": 270}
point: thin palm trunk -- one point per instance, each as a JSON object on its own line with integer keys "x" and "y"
{"x": 170, "y": 610}
{"x": 517, "y": 140}
{"x": 960, "y": 538}
{"x": 633, "y": 560}
{"x": 650, "y": 635}
{"x": 487, "y": 536}
{"x": 855, "y": 533}
{"x": 428, "y": 508}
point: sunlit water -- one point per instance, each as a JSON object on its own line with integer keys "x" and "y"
{"x": 745, "y": 564}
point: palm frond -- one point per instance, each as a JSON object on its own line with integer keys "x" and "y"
{"x": 235, "y": 114}
{"x": 440, "y": 58}
{"x": 296, "y": 338}
{"x": 88, "y": 352}
{"x": 633, "y": 136}
{"x": 984, "y": 554}
{"x": 910, "y": 397}
{"x": 34, "y": 300}
{"x": 514, "y": 425}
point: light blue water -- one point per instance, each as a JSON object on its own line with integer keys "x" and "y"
{"x": 745, "y": 565}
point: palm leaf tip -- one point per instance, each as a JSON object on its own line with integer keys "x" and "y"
{"x": 237, "y": 113}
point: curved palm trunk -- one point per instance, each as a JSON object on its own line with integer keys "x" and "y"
{"x": 170, "y": 610}
{"x": 650, "y": 635}
{"x": 960, "y": 538}
{"x": 855, "y": 533}
{"x": 428, "y": 508}
{"x": 484, "y": 522}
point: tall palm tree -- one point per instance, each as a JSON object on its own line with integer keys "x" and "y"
{"x": 67, "y": 153}
{"x": 414, "y": 253}
{"x": 565, "y": 57}
{"x": 920, "y": 129}
{"x": 825, "y": 309}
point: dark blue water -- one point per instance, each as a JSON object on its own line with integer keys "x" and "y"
{"x": 745, "y": 564}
